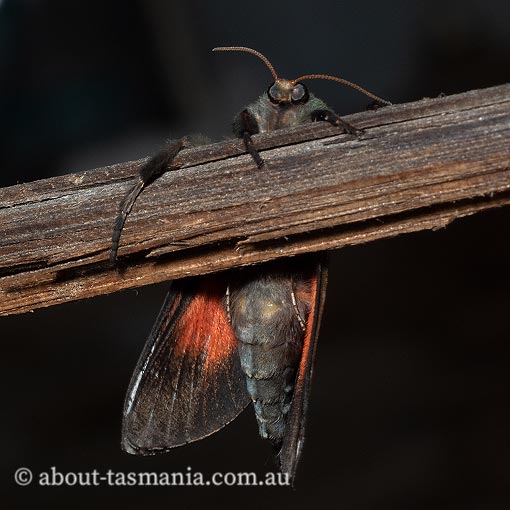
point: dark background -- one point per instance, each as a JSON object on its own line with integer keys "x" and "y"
{"x": 410, "y": 401}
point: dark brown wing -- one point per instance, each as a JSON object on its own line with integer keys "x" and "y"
{"x": 295, "y": 429}
{"x": 188, "y": 382}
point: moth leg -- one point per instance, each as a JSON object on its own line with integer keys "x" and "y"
{"x": 333, "y": 118}
{"x": 150, "y": 171}
{"x": 244, "y": 127}
{"x": 374, "y": 105}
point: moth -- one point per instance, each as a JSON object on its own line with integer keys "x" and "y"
{"x": 226, "y": 340}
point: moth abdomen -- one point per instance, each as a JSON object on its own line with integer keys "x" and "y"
{"x": 268, "y": 327}
{"x": 271, "y": 401}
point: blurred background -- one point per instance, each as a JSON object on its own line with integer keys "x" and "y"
{"x": 410, "y": 401}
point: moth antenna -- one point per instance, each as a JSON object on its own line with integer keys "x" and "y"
{"x": 254, "y": 52}
{"x": 341, "y": 80}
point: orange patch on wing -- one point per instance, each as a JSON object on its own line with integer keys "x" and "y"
{"x": 203, "y": 331}
{"x": 311, "y": 298}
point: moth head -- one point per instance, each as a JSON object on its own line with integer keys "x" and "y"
{"x": 284, "y": 92}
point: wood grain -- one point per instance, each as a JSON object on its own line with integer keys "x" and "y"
{"x": 417, "y": 166}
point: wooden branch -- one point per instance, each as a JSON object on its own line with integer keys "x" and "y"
{"x": 418, "y": 166}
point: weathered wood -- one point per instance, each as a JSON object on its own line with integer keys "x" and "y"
{"x": 418, "y": 166}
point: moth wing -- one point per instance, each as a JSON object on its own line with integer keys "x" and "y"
{"x": 292, "y": 443}
{"x": 188, "y": 381}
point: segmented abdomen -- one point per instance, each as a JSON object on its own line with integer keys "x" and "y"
{"x": 269, "y": 322}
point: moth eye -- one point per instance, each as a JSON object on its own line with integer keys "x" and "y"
{"x": 274, "y": 93}
{"x": 299, "y": 93}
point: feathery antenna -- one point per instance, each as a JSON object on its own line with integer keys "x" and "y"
{"x": 254, "y": 52}
{"x": 304, "y": 77}
{"x": 341, "y": 80}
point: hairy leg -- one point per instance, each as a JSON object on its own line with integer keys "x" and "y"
{"x": 245, "y": 127}
{"x": 150, "y": 171}
{"x": 333, "y": 118}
